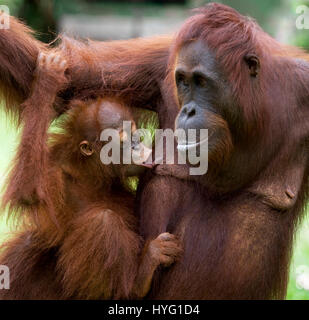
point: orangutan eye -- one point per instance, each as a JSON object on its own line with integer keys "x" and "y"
{"x": 181, "y": 80}
{"x": 199, "y": 80}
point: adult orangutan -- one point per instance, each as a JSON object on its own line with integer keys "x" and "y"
{"x": 237, "y": 221}
{"x": 225, "y": 74}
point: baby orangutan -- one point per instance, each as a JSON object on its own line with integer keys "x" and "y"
{"x": 80, "y": 240}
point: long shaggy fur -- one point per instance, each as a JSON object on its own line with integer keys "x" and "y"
{"x": 237, "y": 223}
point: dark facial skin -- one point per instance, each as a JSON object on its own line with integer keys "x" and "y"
{"x": 206, "y": 100}
{"x": 202, "y": 91}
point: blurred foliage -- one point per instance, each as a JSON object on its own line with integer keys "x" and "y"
{"x": 42, "y": 15}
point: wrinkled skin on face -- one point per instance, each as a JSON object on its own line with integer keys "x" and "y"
{"x": 204, "y": 97}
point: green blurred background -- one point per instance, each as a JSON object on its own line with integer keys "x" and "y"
{"x": 124, "y": 19}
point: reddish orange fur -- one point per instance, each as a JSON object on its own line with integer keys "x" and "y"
{"x": 93, "y": 251}
{"x": 140, "y": 66}
{"x": 82, "y": 230}
{"x": 237, "y": 222}
{"x": 236, "y": 225}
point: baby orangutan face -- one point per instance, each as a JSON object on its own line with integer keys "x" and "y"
{"x": 121, "y": 148}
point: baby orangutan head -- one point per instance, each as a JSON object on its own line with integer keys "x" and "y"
{"x": 100, "y": 142}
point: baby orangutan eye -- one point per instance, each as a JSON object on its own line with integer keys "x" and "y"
{"x": 85, "y": 148}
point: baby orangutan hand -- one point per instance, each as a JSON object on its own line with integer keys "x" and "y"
{"x": 52, "y": 67}
{"x": 165, "y": 249}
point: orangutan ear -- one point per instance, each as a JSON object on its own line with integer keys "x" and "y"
{"x": 85, "y": 148}
{"x": 253, "y": 63}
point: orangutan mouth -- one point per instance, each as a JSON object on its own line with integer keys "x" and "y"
{"x": 190, "y": 145}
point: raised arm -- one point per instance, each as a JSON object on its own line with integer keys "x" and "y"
{"x": 132, "y": 69}
{"x": 28, "y": 179}
{"x": 18, "y": 55}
